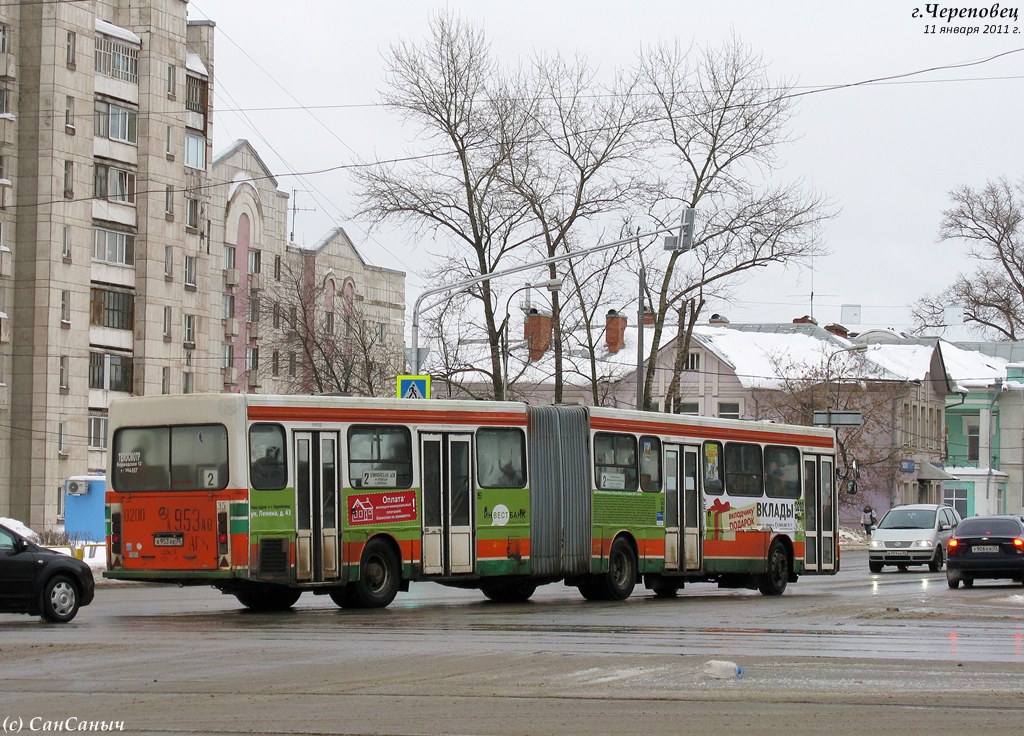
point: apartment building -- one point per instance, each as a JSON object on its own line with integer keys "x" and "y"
{"x": 105, "y": 113}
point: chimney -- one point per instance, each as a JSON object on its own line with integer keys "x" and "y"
{"x": 648, "y": 317}
{"x": 805, "y": 320}
{"x": 837, "y": 329}
{"x": 537, "y": 333}
{"x": 718, "y": 319}
{"x": 615, "y": 331}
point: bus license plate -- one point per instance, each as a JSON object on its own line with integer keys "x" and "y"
{"x": 985, "y": 548}
{"x": 169, "y": 539}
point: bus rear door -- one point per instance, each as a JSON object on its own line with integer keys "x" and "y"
{"x": 684, "y": 504}
{"x": 819, "y": 514}
{"x": 446, "y": 473}
{"x": 316, "y": 506}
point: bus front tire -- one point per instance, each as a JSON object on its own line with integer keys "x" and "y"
{"x": 617, "y": 584}
{"x": 379, "y": 577}
{"x": 508, "y": 592}
{"x": 775, "y": 578}
{"x": 269, "y": 598}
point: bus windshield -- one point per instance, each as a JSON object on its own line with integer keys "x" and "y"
{"x": 191, "y": 458}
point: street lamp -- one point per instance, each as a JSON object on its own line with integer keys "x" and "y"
{"x": 552, "y": 285}
{"x": 860, "y": 348}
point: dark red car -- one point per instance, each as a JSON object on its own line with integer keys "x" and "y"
{"x": 986, "y": 547}
{"x": 40, "y": 581}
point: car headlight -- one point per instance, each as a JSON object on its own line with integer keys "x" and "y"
{"x": 923, "y": 543}
{"x": 876, "y": 543}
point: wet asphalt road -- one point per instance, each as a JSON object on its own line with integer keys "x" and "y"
{"x": 854, "y": 653}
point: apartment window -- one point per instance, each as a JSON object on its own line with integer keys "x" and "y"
{"x": 97, "y": 432}
{"x": 65, "y": 307}
{"x": 277, "y": 315}
{"x": 169, "y": 200}
{"x": 227, "y": 355}
{"x": 172, "y": 74}
{"x": 192, "y": 212}
{"x": 69, "y": 112}
{"x": 170, "y": 141}
{"x": 728, "y": 410}
{"x": 116, "y": 59}
{"x": 187, "y": 382}
{"x": 253, "y": 311}
{"x": 167, "y": 321}
{"x": 190, "y": 271}
{"x": 113, "y": 246}
{"x": 973, "y": 441}
{"x": 275, "y": 363}
{"x": 69, "y": 48}
{"x": 62, "y": 439}
{"x": 110, "y": 372}
{"x": 69, "y": 179}
{"x": 277, "y": 268}
{"x": 165, "y": 380}
{"x": 63, "y": 372}
{"x": 229, "y": 306}
{"x": 691, "y": 408}
{"x": 66, "y": 243}
{"x": 109, "y": 308}
{"x": 252, "y": 358}
{"x": 293, "y": 316}
{"x": 195, "y": 151}
{"x": 330, "y": 323}
{"x": 189, "y": 325}
{"x": 4, "y": 38}
{"x": 168, "y": 260}
{"x": 254, "y": 261}
{"x": 5, "y": 97}
{"x": 116, "y": 122}
{"x": 196, "y": 94}
{"x": 292, "y": 364}
{"x": 692, "y": 362}
{"x": 117, "y": 185}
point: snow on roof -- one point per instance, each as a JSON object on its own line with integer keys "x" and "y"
{"x": 971, "y": 369}
{"x": 194, "y": 64}
{"x": 909, "y": 362}
{"x": 16, "y": 526}
{"x": 109, "y": 29}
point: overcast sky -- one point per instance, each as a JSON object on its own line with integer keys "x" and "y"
{"x": 887, "y": 154}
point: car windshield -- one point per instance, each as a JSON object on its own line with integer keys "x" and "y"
{"x": 988, "y": 528}
{"x": 908, "y": 519}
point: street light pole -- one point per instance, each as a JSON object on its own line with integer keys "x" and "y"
{"x": 860, "y": 348}
{"x": 414, "y": 358}
{"x": 552, "y": 285}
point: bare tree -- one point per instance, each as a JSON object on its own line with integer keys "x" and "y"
{"x": 344, "y": 351}
{"x": 451, "y": 89}
{"x": 802, "y": 391}
{"x": 720, "y": 123}
{"x": 992, "y": 297}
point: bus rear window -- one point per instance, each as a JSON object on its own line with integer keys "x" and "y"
{"x": 191, "y": 458}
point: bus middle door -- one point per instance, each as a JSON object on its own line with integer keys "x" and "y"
{"x": 684, "y": 504}
{"x": 446, "y": 473}
{"x": 316, "y": 506}
{"x": 819, "y": 514}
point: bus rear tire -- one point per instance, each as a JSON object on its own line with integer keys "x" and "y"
{"x": 776, "y": 577}
{"x": 617, "y": 584}
{"x": 508, "y": 592}
{"x": 268, "y": 598}
{"x": 379, "y": 576}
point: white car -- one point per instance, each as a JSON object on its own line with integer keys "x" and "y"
{"x": 914, "y": 534}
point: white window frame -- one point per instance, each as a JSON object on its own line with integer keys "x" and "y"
{"x": 165, "y": 380}
{"x": 69, "y": 112}
{"x": 62, "y": 439}
{"x": 168, "y": 321}
{"x": 172, "y": 80}
{"x": 191, "y": 266}
{"x": 66, "y": 242}
{"x": 252, "y": 358}
{"x": 117, "y": 123}
{"x": 229, "y": 256}
{"x": 255, "y": 261}
{"x": 188, "y": 382}
{"x": 63, "y": 372}
{"x": 98, "y": 425}
{"x": 65, "y": 306}
{"x": 195, "y": 151}
{"x": 117, "y": 60}
{"x": 227, "y": 355}
{"x": 114, "y": 184}
{"x": 188, "y": 323}
{"x": 228, "y": 306}
{"x": 113, "y": 246}
{"x": 192, "y": 212}
{"x": 5, "y": 34}
{"x": 70, "y": 46}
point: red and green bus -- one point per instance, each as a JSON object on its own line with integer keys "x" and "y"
{"x": 265, "y": 497}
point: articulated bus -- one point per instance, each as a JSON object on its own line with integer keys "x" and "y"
{"x": 265, "y": 497}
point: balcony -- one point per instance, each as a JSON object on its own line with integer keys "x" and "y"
{"x": 254, "y": 330}
{"x": 230, "y": 327}
{"x": 255, "y": 282}
{"x": 230, "y": 277}
{"x": 230, "y": 374}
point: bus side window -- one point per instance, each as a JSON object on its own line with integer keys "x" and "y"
{"x": 650, "y": 464}
{"x": 379, "y": 457}
{"x": 267, "y": 457}
{"x": 782, "y": 471}
{"x": 500, "y": 458}
{"x": 711, "y": 466}
{"x": 615, "y": 467}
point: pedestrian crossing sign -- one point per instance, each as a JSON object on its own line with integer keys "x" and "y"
{"x": 413, "y": 387}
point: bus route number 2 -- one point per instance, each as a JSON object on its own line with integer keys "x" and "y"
{"x": 209, "y": 477}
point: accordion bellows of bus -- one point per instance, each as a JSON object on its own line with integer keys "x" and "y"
{"x": 265, "y": 497}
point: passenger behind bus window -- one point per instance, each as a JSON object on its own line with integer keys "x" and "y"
{"x": 499, "y": 458}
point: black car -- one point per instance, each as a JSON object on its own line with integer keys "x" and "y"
{"x": 40, "y": 581}
{"x": 986, "y": 547}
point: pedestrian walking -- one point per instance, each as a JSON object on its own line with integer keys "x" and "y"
{"x": 868, "y": 519}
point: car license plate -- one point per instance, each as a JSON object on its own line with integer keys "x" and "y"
{"x": 899, "y": 553}
{"x": 169, "y": 539}
{"x": 985, "y": 548}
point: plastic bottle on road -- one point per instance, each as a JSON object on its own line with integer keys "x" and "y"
{"x": 722, "y": 670}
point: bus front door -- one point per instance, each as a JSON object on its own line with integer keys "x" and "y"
{"x": 684, "y": 504}
{"x": 446, "y": 473}
{"x": 316, "y": 506}
{"x": 819, "y": 514}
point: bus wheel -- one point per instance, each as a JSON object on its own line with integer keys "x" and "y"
{"x": 268, "y": 598}
{"x": 345, "y": 598}
{"x": 508, "y": 592}
{"x": 665, "y": 590}
{"x": 617, "y": 584}
{"x": 774, "y": 580}
{"x": 379, "y": 576}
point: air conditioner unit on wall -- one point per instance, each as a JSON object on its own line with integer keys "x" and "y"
{"x": 76, "y": 487}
